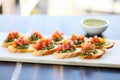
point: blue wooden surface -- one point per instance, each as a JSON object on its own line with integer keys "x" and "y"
{"x": 47, "y": 25}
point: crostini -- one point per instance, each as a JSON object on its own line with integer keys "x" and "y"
{"x": 78, "y": 40}
{"x": 67, "y": 50}
{"x": 57, "y": 36}
{"x": 20, "y": 45}
{"x": 10, "y": 38}
{"x": 43, "y": 47}
{"x": 101, "y": 42}
{"x": 88, "y": 51}
{"x": 34, "y": 37}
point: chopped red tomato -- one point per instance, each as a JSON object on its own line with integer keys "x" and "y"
{"x": 37, "y": 34}
{"x": 59, "y": 48}
{"x": 57, "y": 34}
{"x": 10, "y": 36}
{"x": 66, "y": 45}
{"x": 73, "y": 36}
{"x": 83, "y": 49}
{"x": 48, "y": 42}
{"x": 21, "y": 41}
{"x": 88, "y": 47}
{"x": 44, "y": 42}
{"x": 81, "y": 37}
{"x": 71, "y": 43}
{"x": 13, "y": 35}
{"x": 95, "y": 39}
{"x": 77, "y": 38}
{"x": 38, "y": 46}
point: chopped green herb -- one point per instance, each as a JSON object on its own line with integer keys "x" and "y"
{"x": 8, "y": 40}
{"x": 58, "y": 39}
{"x": 25, "y": 46}
{"x": 106, "y": 43}
{"x": 85, "y": 53}
{"x": 95, "y": 51}
{"x": 98, "y": 44}
{"x": 68, "y": 51}
{"x": 79, "y": 42}
{"x": 88, "y": 53}
{"x": 34, "y": 38}
{"x": 49, "y": 47}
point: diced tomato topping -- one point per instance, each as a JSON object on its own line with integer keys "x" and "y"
{"x": 37, "y": 34}
{"x": 38, "y": 46}
{"x": 84, "y": 49}
{"x": 73, "y": 36}
{"x": 21, "y": 41}
{"x": 81, "y": 37}
{"x": 76, "y": 38}
{"x": 57, "y": 34}
{"x": 49, "y": 40}
{"x": 95, "y": 39}
{"x": 59, "y": 48}
{"x": 44, "y": 42}
{"x": 66, "y": 45}
{"x": 63, "y": 47}
{"x": 71, "y": 43}
{"x": 10, "y": 36}
{"x": 88, "y": 47}
{"x": 13, "y": 35}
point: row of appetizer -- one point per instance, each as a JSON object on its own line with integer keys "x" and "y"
{"x": 57, "y": 44}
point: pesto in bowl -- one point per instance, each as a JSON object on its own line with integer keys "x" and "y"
{"x": 94, "y": 22}
{"x": 94, "y": 26}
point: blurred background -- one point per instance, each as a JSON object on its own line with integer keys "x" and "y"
{"x": 60, "y": 7}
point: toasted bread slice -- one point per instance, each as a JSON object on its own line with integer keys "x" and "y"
{"x": 108, "y": 45}
{"x": 67, "y": 55}
{"x": 12, "y": 49}
{"x": 43, "y": 52}
{"x": 99, "y": 53}
{"x": 15, "y": 50}
{"x": 5, "y": 45}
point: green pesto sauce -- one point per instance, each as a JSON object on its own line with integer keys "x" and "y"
{"x": 94, "y": 22}
{"x": 106, "y": 44}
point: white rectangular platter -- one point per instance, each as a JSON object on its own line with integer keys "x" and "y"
{"x": 110, "y": 59}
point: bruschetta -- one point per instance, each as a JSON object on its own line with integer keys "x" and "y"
{"x": 34, "y": 37}
{"x": 78, "y": 40}
{"x": 10, "y": 38}
{"x": 101, "y": 42}
{"x": 67, "y": 50}
{"x": 20, "y": 45}
{"x": 43, "y": 47}
{"x": 88, "y": 51}
{"x": 57, "y": 36}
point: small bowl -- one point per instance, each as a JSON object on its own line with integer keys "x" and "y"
{"x": 94, "y": 26}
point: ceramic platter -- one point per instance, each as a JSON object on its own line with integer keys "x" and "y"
{"x": 110, "y": 59}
